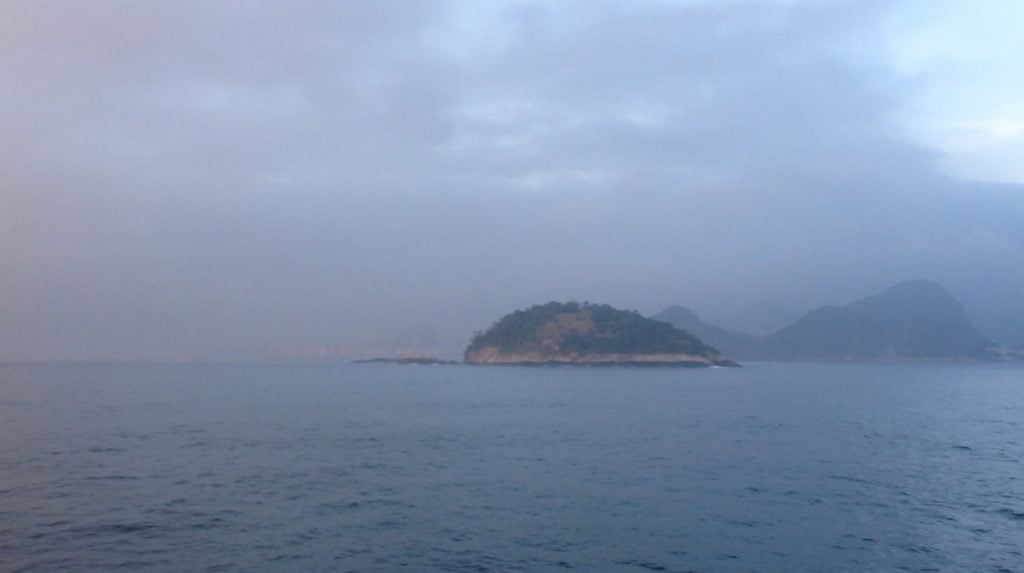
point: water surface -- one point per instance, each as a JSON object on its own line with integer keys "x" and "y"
{"x": 385, "y": 467}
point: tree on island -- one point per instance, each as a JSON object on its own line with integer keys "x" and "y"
{"x": 567, "y": 331}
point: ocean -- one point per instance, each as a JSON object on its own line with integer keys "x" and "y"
{"x": 343, "y": 467}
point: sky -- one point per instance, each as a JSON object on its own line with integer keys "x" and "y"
{"x": 251, "y": 180}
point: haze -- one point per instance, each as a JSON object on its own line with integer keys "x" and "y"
{"x": 219, "y": 180}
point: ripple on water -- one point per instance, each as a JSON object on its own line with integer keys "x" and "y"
{"x": 503, "y": 470}
{"x": 1012, "y": 514}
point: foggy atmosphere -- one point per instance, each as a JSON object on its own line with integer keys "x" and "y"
{"x": 227, "y": 181}
{"x": 509, "y": 285}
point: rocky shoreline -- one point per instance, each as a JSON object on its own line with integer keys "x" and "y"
{"x": 493, "y": 356}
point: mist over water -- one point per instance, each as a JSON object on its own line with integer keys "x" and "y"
{"x": 240, "y": 188}
{"x": 224, "y": 182}
{"x": 379, "y": 468}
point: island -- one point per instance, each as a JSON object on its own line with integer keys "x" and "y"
{"x": 408, "y": 358}
{"x": 572, "y": 333}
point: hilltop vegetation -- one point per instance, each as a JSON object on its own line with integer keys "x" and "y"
{"x": 574, "y": 332}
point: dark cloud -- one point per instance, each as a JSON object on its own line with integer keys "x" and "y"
{"x": 219, "y": 179}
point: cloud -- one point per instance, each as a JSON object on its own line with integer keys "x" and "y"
{"x": 202, "y": 179}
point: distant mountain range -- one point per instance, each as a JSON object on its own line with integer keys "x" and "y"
{"x": 730, "y": 343}
{"x": 912, "y": 321}
{"x": 759, "y": 318}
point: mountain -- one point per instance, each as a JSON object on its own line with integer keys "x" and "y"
{"x": 760, "y": 318}
{"x": 912, "y": 321}
{"x": 730, "y": 343}
{"x": 595, "y": 334}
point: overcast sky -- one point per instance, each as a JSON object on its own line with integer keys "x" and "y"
{"x": 183, "y": 180}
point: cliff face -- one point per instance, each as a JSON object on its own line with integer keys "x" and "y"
{"x": 493, "y": 355}
{"x": 570, "y": 333}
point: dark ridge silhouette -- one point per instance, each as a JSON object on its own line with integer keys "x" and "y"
{"x": 736, "y": 343}
{"x": 913, "y": 321}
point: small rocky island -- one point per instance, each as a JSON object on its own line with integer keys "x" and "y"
{"x": 587, "y": 334}
{"x": 408, "y": 358}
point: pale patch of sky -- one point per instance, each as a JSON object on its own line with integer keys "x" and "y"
{"x": 965, "y": 57}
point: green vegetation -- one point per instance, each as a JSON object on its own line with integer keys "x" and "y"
{"x": 569, "y": 328}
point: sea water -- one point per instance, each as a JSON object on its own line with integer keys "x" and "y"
{"x": 771, "y": 467}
